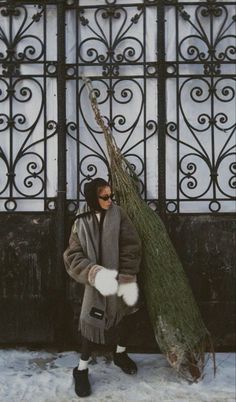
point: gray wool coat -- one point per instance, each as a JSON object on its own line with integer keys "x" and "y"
{"x": 116, "y": 247}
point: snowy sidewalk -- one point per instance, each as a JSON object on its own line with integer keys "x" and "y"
{"x": 40, "y": 376}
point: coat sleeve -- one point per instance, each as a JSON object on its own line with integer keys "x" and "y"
{"x": 130, "y": 250}
{"x": 76, "y": 263}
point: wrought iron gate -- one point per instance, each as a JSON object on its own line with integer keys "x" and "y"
{"x": 164, "y": 75}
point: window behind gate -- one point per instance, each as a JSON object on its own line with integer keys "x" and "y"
{"x": 164, "y": 76}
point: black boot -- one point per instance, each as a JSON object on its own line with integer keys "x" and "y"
{"x": 82, "y": 385}
{"x": 123, "y": 361}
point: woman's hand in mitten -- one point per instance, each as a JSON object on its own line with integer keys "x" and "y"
{"x": 105, "y": 281}
{"x": 129, "y": 292}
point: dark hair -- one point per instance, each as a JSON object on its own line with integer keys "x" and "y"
{"x": 91, "y": 192}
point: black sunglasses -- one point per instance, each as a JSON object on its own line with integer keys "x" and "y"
{"x": 106, "y": 197}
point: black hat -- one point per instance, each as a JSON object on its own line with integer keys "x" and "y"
{"x": 91, "y": 192}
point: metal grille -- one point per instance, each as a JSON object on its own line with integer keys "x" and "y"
{"x": 164, "y": 75}
{"x": 201, "y": 120}
{"x": 28, "y": 104}
{"x": 111, "y": 47}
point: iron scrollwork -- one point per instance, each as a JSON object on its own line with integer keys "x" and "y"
{"x": 22, "y": 100}
{"x": 120, "y": 93}
{"x": 111, "y": 41}
{"x": 205, "y": 130}
{"x": 212, "y": 41}
{"x": 22, "y": 46}
{"x": 109, "y": 45}
{"x": 122, "y": 48}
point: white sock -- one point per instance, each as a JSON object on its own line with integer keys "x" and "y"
{"x": 120, "y": 349}
{"x": 83, "y": 364}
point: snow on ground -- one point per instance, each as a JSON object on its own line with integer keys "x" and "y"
{"x": 41, "y": 376}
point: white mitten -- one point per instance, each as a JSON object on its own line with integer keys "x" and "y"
{"x": 105, "y": 281}
{"x": 129, "y": 292}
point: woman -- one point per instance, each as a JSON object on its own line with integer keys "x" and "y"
{"x": 104, "y": 254}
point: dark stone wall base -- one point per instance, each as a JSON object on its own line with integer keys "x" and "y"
{"x": 34, "y": 311}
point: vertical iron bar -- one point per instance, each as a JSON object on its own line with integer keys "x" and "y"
{"x": 45, "y": 105}
{"x": 212, "y": 112}
{"x": 110, "y": 77}
{"x": 61, "y": 192}
{"x": 161, "y": 110}
{"x": 61, "y": 83}
{"x": 178, "y": 80}
{"x": 144, "y": 103}
{"x": 77, "y": 98}
{"x": 11, "y": 130}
